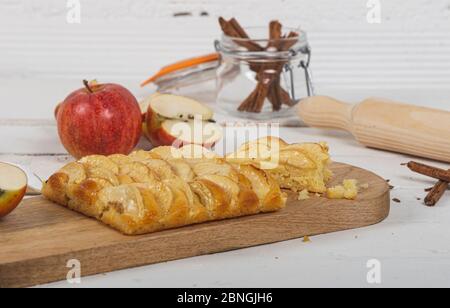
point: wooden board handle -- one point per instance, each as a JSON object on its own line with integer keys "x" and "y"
{"x": 326, "y": 112}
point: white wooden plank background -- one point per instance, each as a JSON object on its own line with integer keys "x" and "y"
{"x": 131, "y": 39}
{"x": 406, "y": 57}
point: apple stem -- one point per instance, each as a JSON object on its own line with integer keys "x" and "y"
{"x": 88, "y": 87}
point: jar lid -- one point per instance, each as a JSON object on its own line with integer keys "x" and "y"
{"x": 186, "y": 72}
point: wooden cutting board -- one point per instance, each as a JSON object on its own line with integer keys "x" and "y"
{"x": 39, "y": 238}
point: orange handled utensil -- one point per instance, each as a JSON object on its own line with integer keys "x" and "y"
{"x": 181, "y": 65}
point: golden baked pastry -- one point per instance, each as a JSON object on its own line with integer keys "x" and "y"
{"x": 294, "y": 166}
{"x": 161, "y": 189}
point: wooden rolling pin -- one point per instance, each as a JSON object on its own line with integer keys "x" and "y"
{"x": 383, "y": 124}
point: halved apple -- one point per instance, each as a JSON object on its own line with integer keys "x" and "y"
{"x": 178, "y": 107}
{"x": 145, "y": 103}
{"x": 177, "y": 121}
{"x": 180, "y": 133}
{"x": 144, "y": 107}
{"x": 13, "y": 186}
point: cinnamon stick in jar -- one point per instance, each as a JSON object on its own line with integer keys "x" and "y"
{"x": 268, "y": 74}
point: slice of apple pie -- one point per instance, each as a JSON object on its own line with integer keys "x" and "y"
{"x": 296, "y": 167}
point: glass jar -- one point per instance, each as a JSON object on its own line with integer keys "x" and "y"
{"x": 263, "y": 85}
{"x": 225, "y": 79}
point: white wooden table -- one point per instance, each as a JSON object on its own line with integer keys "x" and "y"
{"x": 413, "y": 244}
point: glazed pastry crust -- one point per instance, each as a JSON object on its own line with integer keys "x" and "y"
{"x": 294, "y": 166}
{"x": 162, "y": 189}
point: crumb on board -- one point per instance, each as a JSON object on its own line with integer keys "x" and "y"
{"x": 351, "y": 189}
{"x": 365, "y": 186}
{"x": 336, "y": 192}
{"x": 348, "y": 190}
{"x": 306, "y": 239}
{"x": 303, "y": 195}
{"x": 397, "y": 200}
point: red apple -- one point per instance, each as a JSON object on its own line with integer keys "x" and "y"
{"x": 101, "y": 119}
{"x": 177, "y": 121}
{"x": 13, "y": 186}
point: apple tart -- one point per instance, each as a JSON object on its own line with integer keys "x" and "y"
{"x": 163, "y": 188}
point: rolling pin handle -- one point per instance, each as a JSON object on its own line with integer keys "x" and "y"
{"x": 326, "y": 112}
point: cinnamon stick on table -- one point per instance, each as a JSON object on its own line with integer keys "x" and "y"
{"x": 436, "y": 193}
{"x": 433, "y": 172}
